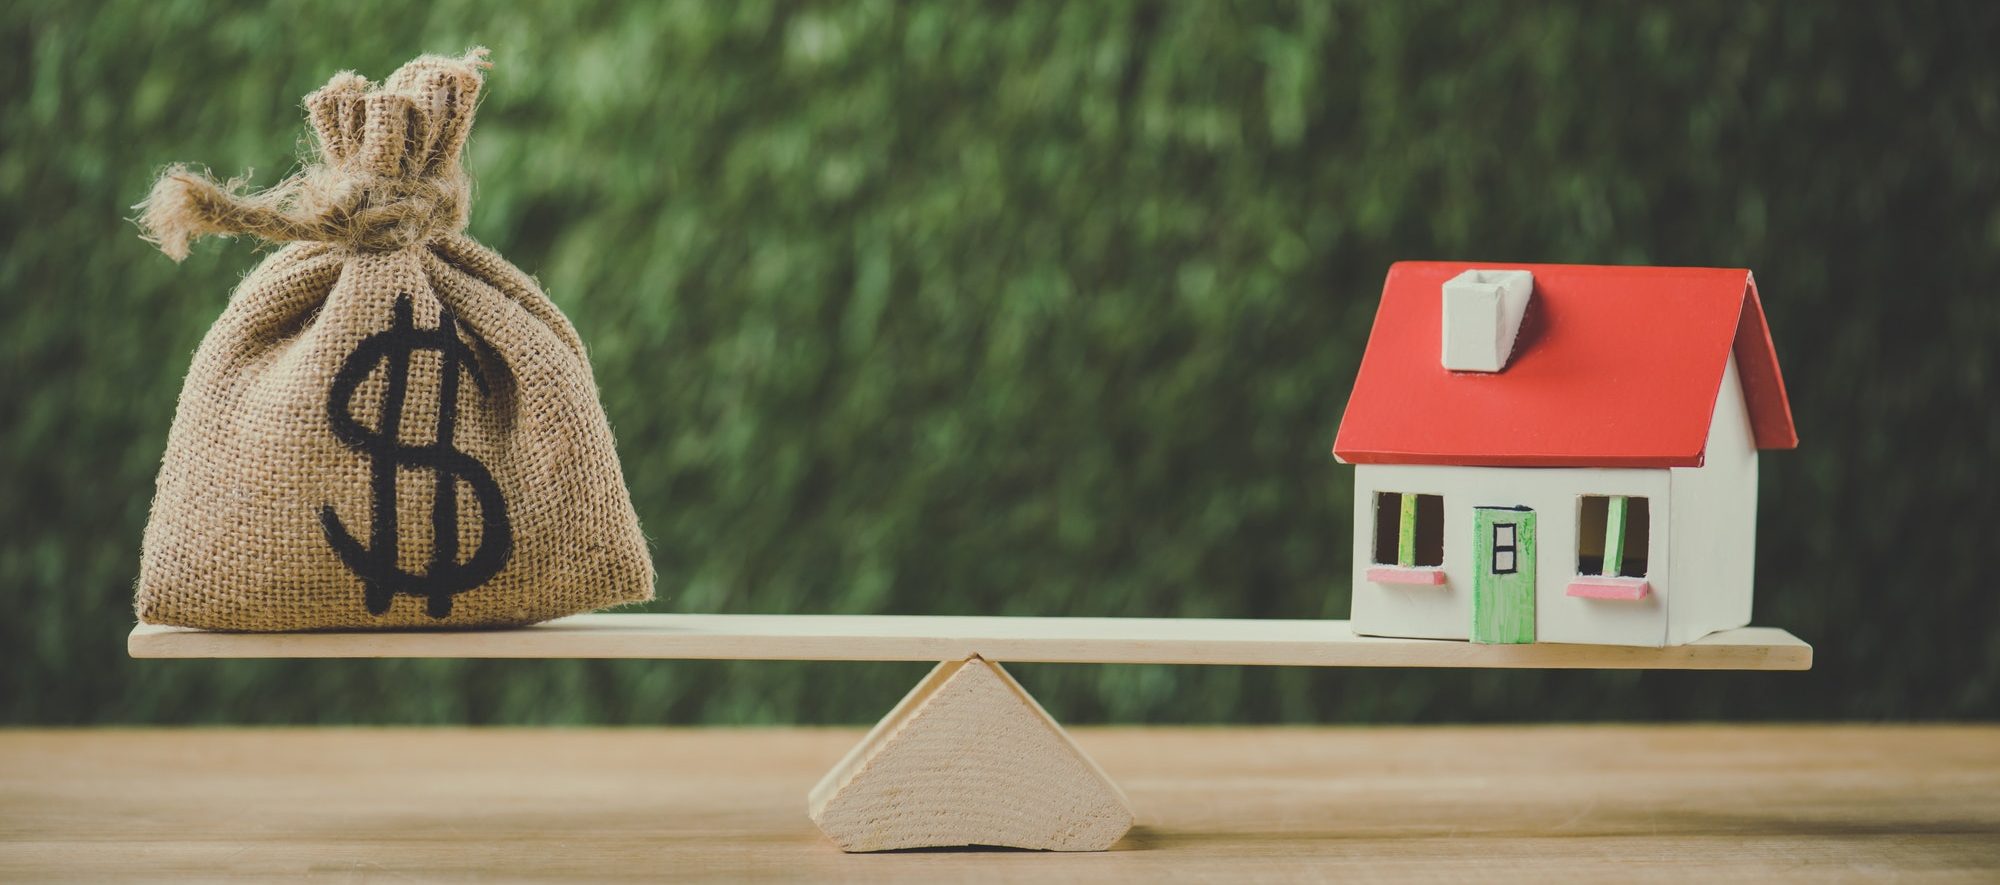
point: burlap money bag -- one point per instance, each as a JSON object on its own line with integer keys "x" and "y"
{"x": 389, "y": 426}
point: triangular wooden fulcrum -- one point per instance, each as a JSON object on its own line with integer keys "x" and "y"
{"x": 969, "y": 758}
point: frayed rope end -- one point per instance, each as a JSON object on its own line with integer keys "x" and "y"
{"x": 185, "y": 206}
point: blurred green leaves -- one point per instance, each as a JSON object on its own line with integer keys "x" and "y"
{"x": 1040, "y": 309}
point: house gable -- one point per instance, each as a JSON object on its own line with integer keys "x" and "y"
{"x": 1715, "y": 522}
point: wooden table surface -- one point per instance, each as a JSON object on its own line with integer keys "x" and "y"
{"x": 1547, "y": 804}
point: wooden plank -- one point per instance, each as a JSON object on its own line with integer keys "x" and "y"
{"x": 1535, "y": 804}
{"x": 929, "y": 638}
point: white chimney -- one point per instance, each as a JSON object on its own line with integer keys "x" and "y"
{"x": 1482, "y": 314}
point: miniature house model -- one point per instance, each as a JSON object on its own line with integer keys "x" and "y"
{"x": 1551, "y": 453}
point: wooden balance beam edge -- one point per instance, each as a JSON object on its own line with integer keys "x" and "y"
{"x": 1010, "y": 639}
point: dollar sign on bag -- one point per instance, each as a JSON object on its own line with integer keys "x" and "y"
{"x": 375, "y": 562}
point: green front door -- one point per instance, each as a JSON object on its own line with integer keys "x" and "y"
{"x": 1503, "y": 574}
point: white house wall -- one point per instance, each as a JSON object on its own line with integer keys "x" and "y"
{"x": 1445, "y": 611}
{"x": 1715, "y": 523}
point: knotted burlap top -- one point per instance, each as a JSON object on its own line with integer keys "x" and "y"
{"x": 390, "y": 425}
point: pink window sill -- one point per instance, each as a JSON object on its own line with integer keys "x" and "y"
{"x": 1595, "y": 587}
{"x": 1396, "y": 574}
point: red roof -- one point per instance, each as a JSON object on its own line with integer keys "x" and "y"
{"x": 1613, "y": 367}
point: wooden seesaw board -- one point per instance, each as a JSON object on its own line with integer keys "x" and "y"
{"x": 969, "y": 757}
{"x": 1292, "y": 643}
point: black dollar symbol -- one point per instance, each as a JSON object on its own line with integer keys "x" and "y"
{"x": 376, "y": 563}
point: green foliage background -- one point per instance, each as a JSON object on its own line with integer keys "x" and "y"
{"x": 1042, "y": 309}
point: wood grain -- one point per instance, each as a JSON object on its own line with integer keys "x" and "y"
{"x": 1527, "y": 804}
{"x": 969, "y": 758}
{"x": 926, "y": 638}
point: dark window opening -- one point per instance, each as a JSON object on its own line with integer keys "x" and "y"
{"x": 1638, "y": 532}
{"x": 1600, "y": 537}
{"x": 1388, "y": 522}
{"x": 1430, "y": 531}
{"x": 1409, "y": 530}
{"x": 1590, "y": 535}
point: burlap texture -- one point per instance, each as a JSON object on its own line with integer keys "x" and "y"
{"x": 259, "y": 477}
